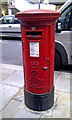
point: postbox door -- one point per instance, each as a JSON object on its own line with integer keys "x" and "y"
{"x": 37, "y": 62}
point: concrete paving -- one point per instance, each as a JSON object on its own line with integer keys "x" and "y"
{"x": 12, "y": 93}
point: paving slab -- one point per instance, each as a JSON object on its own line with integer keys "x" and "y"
{"x": 0, "y": 76}
{"x": 48, "y": 112}
{"x": 4, "y": 76}
{"x": 8, "y": 92}
{"x": 4, "y": 73}
{"x": 12, "y": 111}
{"x": 71, "y": 82}
{"x": 0, "y": 116}
{"x": 0, "y": 96}
{"x": 7, "y": 70}
{"x": 63, "y": 82}
{"x": 15, "y": 79}
{"x": 12, "y": 87}
{"x": 23, "y": 113}
{"x": 20, "y": 95}
{"x": 63, "y": 108}
{"x": 0, "y": 73}
{"x": 12, "y": 67}
{"x": 56, "y": 74}
{"x": 71, "y": 105}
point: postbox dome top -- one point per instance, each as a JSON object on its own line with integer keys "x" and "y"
{"x": 38, "y": 14}
{"x": 38, "y": 11}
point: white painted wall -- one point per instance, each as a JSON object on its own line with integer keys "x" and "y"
{"x": 57, "y": 1}
{"x": 9, "y": 11}
{"x": 24, "y": 5}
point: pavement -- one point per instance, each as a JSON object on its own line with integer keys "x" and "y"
{"x": 12, "y": 95}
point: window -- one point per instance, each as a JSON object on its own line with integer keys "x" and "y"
{"x": 16, "y": 21}
{"x": 65, "y": 17}
{"x": 66, "y": 11}
{"x": 7, "y": 20}
{"x": 66, "y": 20}
{"x": 70, "y": 22}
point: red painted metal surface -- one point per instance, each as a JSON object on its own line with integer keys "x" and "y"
{"x": 38, "y": 30}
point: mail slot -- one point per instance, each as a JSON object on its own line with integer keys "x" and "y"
{"x": 38, "y": 46}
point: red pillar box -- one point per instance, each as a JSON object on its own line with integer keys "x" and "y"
{"x": 38, "y": 46}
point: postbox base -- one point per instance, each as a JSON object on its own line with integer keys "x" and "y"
{"x": 39, "y": 102}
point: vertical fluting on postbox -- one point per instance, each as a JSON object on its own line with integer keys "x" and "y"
{"x": 38, "y": 46}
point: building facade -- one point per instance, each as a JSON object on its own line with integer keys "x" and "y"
{"x": 56, "y": 2}
{"x": 13, "y": 6}
{"x": 3, "y": 7}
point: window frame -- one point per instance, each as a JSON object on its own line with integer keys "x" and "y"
{"x": 5, "y": 17}
{"x": 70, "y": 22}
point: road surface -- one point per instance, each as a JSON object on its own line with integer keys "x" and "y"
{"x": 12, "y": 52}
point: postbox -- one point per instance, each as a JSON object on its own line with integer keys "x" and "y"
{"x": 38, "y": 47}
